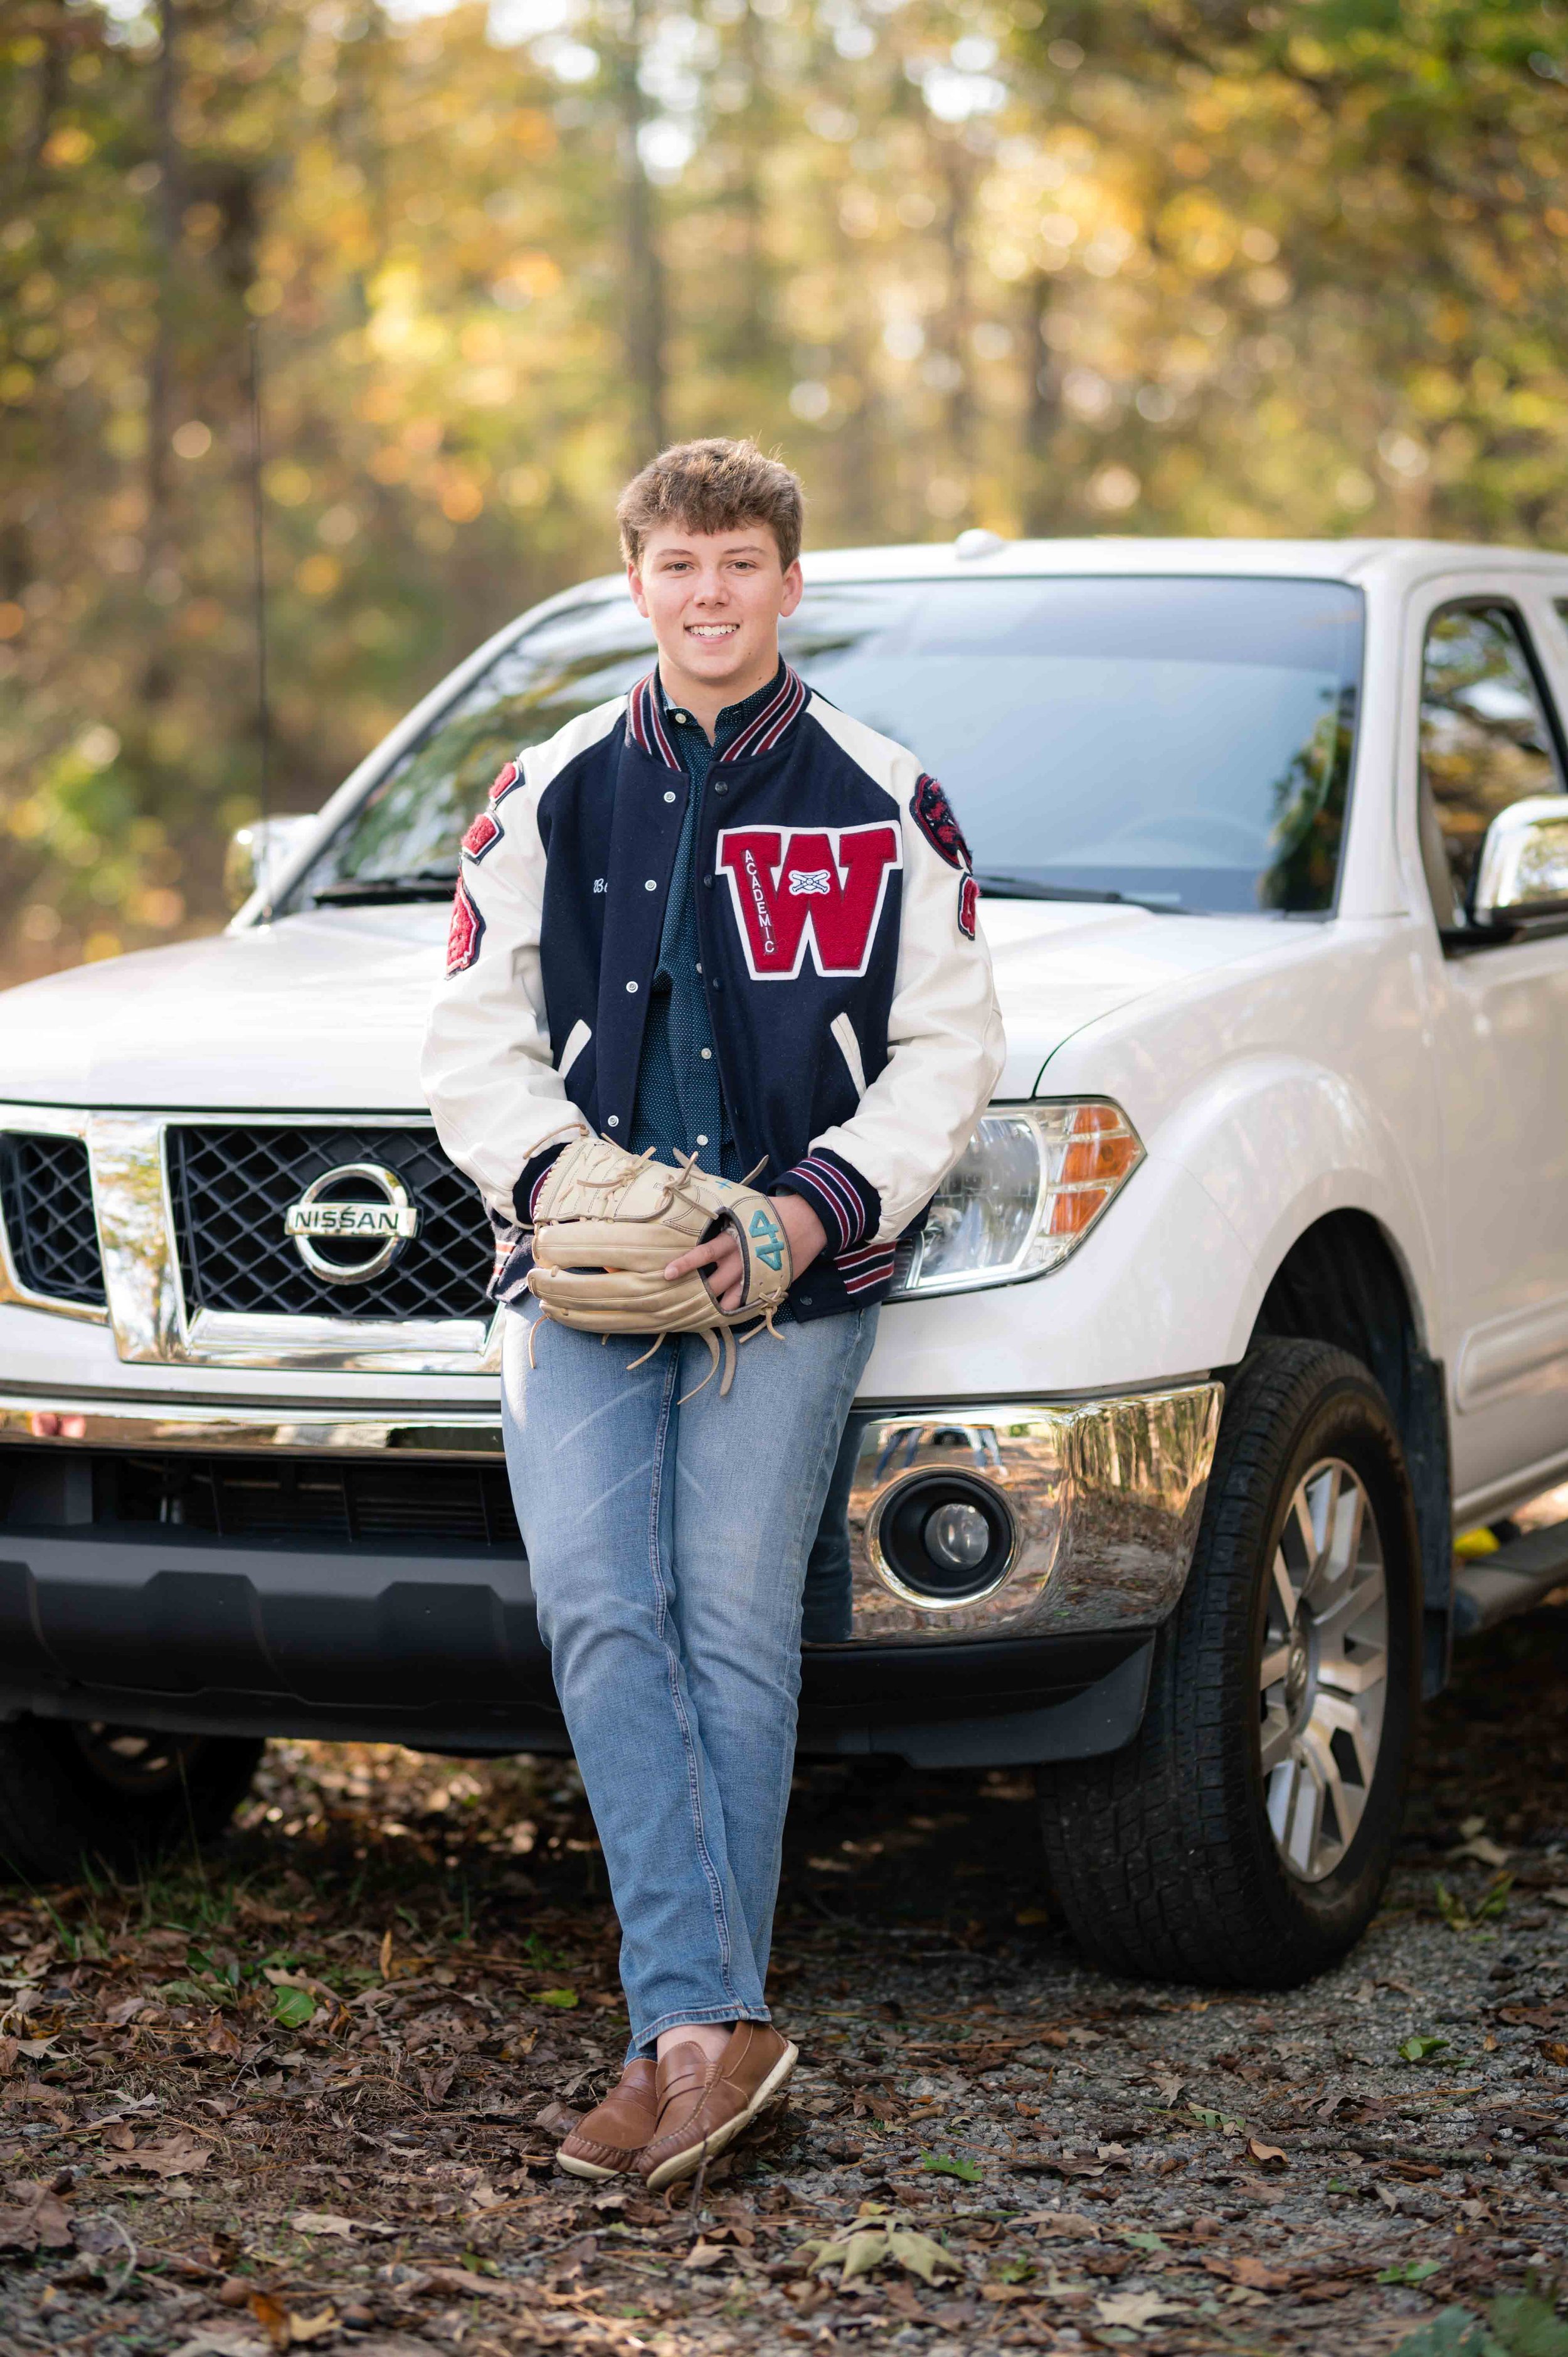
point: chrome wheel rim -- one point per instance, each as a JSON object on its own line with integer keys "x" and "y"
{"x": 1323, "y": 1681}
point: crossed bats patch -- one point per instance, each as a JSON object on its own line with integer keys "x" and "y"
{"x": 824, "y": 887}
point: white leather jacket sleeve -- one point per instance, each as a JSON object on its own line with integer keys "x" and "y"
{"x": 946, "y": 1047}
{"x": 487, "y": 1066}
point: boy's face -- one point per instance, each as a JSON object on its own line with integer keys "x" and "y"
{"x": 715, "y": 601}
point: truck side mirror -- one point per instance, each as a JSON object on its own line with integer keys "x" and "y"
{"x": 1523, "y": 868}
{"x": 260, "y": 853}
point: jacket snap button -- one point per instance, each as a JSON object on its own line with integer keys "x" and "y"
{"x": 721, "y": 788}
{"x": 669, "y": 798}
{"x": 650, "y": 886}
{"x": 614, "y": 1121}
{"x": 631, "y": 985}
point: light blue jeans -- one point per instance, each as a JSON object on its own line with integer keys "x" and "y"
{"x": 667, "y": 1546}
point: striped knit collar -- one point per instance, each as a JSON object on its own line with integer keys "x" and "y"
{"x": 645, "y": 723}
{"x": 778, "y": 706}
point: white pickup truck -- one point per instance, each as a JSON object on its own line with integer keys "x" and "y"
{"x": 1250, "y": 1288}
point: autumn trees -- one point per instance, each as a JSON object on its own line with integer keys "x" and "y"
{"x": 1089, "y": 265}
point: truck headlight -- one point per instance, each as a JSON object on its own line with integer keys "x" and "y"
{"x": 1030, "y": 1185}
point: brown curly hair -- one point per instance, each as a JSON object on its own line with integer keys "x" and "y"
{"x": 713, "y": 486}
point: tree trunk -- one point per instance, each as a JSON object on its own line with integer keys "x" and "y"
{"x": 51, "y": 91}
{"x": 1042, "y": 415}
{"x": 958, "y": 323}
{"x": 157, "y": 533}
{"x": 645, "y": 296}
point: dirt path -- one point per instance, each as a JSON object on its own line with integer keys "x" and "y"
{"x": 305, "y": 2098}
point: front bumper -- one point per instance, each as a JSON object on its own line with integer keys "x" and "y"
{"x": 229, "y": 1615}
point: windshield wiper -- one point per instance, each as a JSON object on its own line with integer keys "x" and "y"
{"x": 423, "y": 884}
{"x": 1025, "y": 888}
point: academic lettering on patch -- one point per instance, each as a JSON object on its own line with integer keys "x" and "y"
{"x": 822, "y": 887}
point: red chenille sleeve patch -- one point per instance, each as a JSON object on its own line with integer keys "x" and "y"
{"x": 505, "y": 780}
{"x": 465, "y": 934}
{"x": 481, "y": 836}
{"x": 967, "y": 901}
{"x": 933, "y": 816}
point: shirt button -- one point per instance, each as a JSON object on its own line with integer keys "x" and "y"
{"x": 707, "y": 1055}
{"x": 669, "y": 798}
{"x": 702, "y": 1141}
{"x": 650, "y": 886}
{"x": 631, "y": 985}
{"x": 699, "y": 966}
{"x": 680, "y": 717}
{"x": 614, "y": 1121}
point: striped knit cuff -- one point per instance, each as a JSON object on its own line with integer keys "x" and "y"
{"x": 848, "y": 1206}
{"x": 535, "y": 1170}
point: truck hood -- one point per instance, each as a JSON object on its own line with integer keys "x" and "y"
{"x": 325, "y": 1012}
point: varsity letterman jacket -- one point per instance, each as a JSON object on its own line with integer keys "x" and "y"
{"x": 854, "y": 1015}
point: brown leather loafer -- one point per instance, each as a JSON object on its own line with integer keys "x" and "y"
{"x": 608, "y": 2140}
{"x": 704, "y": 2105}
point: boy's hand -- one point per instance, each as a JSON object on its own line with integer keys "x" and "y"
{"x": 720, "y": 1260}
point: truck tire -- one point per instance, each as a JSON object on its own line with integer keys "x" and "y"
{"x": 100, "y": 1796}
{"x": 1244, "y": 1835}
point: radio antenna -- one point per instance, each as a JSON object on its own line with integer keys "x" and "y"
{"x": 259, "y": 573}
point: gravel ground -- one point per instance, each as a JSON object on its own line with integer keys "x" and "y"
{"x": 307, "y": 2093}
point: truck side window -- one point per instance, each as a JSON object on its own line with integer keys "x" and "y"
{"x": 1486, "y": 740}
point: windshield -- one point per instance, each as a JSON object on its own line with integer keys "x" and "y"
{"x": 1185, "y": 742}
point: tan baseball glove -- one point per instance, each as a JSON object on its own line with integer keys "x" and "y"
{"x": 608, "y": 1223}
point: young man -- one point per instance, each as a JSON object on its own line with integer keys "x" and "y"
{"x": 714, "y": 917}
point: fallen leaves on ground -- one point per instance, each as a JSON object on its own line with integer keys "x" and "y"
{"x": 176, "y": 2156}
{"x": 1243, "y": 2268}
{"x": 877, "y": 2236}
{"x": 1423, "y": 2049}
{"x": 32, "y": 2218}
{"x": 327, "y": 2222}
{"x": 387, "y": 2168}
{"x": 1135, "y": 2308}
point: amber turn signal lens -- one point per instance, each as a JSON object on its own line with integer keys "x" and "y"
{"x": 1101, "y": 1150}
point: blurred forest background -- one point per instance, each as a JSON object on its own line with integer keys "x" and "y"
{"x": 1046, "y": 265}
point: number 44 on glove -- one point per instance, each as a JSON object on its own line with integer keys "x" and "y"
{"x": 608, "y": 1223}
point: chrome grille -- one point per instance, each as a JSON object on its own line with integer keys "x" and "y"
{"x": 231, "y": 1185}
{"x": 46, "y": 1198}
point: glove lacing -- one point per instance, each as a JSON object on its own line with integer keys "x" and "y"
{"x": 719, "y": 1355}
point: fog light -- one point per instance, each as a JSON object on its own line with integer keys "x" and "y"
{"x": 941, "y": 1540}
{"x": 958, "y": 1535}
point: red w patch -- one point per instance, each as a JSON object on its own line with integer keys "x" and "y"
{"x": 791, "y": 885}
{"x": 480, "y": 835}
{"x": 464, "y": 935}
